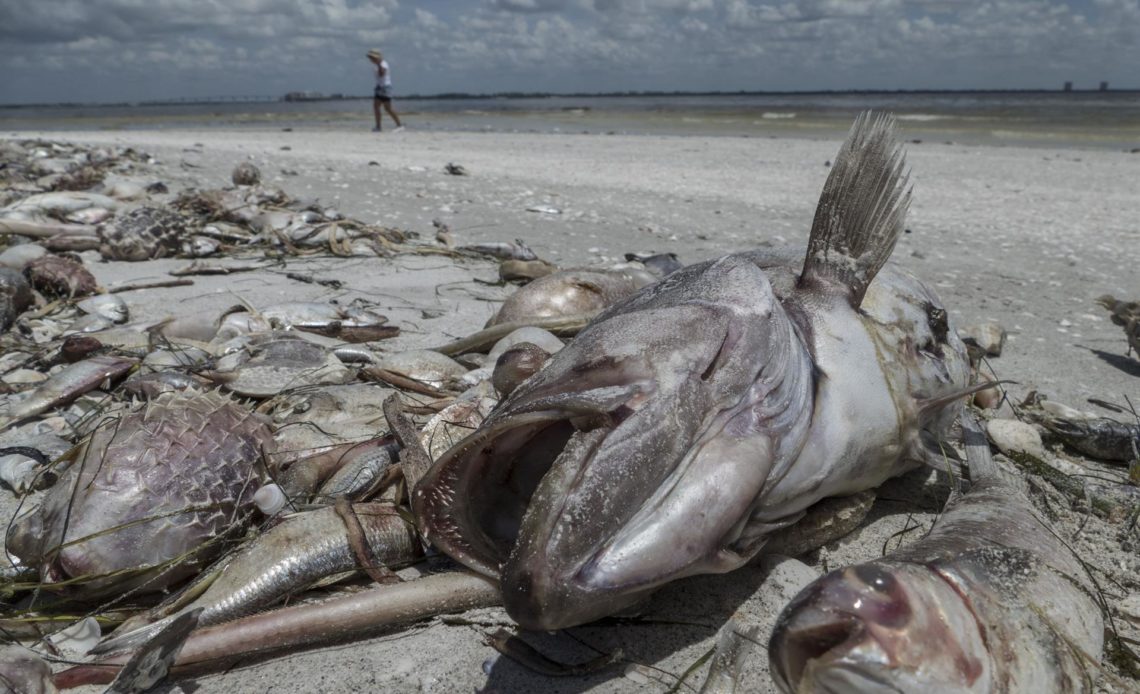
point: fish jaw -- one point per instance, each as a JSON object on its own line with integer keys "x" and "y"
{"x": 637, "y": 454}
{"x": 879, "y": 627}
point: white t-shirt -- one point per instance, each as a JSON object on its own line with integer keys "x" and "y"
{"x": 383, "y": 80}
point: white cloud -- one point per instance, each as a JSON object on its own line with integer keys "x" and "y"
{"x": 129, "y": 49}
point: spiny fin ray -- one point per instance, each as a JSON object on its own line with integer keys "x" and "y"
{"x": 861, "y": 209}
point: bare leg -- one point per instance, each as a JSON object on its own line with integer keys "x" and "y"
{"x": 376, "y": 111}
{"x": 388, "y": 108}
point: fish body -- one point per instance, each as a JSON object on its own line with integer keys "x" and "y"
{"x": 150, "y": 488}
{"x": 991, "y": 600}
{"x": 15, "y": 296}
{"x": 68, "y": 384}
{"x": 288, "y": 558}
{"x": 571, "y": 292}
{"x": 688, "y": 422}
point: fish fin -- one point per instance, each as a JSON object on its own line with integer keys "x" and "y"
{"x": 119, "y": 643}
{"x": 153, "y": 660}
{"x": 861, "y": 209}
{"x": 928, "y": 406}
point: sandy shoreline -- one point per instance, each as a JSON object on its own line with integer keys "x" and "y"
{"x": 1027, "y": 237}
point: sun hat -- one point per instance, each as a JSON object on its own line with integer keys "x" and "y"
{"x": 375, "y": 53}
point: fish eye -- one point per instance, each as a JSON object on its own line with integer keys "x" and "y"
{"x": 875, "y": 578}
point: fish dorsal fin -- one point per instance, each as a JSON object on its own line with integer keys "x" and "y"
{"x": 861, "y": 209}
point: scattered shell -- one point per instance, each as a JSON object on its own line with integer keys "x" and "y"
{"x": 246, "y": 174}
{"x": 270, "y": 499}
{"x": 1011, "y": 436}
{"x": 989, "y": 338}
{"x": 16, "y": 257}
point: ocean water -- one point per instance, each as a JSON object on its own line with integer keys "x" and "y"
{"x": 1067, "y": 119}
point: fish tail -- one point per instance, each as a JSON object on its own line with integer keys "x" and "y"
{"x": 119, "y": 643}
{"x": 861, "y": 209}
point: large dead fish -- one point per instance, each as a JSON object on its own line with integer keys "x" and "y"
{"x": 992, "y": 600}
{"x": 687, "y": 423}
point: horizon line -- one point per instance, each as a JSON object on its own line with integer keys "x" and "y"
{"x": 222, "y": 99}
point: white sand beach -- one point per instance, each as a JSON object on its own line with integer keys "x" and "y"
{"x": 1026, "y": 237}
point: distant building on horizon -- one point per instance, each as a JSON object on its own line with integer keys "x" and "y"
{"x": 1068, "y": 87}
{"x": 1104, "y": 86}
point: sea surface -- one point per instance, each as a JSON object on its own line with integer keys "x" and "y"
{"x": 1085, "y": 119}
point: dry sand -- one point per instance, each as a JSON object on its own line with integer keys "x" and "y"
{"x": 1025, "y": 237}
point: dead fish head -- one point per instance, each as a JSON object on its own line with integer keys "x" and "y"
{"x": 879, "y": 627}
{"x": 635, "y": 457}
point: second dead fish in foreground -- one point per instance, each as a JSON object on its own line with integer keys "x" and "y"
{"x": 687, "y": 423}
{"x": 992, "y": 600}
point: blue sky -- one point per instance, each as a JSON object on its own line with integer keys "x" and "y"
{"x": 114, "y": 50}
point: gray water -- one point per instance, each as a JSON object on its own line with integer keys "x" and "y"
{"x": 1067, "y": 119}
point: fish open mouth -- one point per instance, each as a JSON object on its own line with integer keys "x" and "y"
{"x": 473, "y": 503}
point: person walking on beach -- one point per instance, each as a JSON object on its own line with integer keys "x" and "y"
{"x": 382, "y": 94}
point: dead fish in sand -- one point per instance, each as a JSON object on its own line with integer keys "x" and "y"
{"x": 147, "y": 494}
{"x": 348, "y": 323}
{"x": 1088, "y": 433}
{"x": 54, "y": 275}
{"x": 687, "y": 423}
{"x": 68, "y": 384}
{"x": 991, "y": 600}
{"x": 24, "y": 672}
{"x": 276, "y": 362}
{"x": 290, "y": 557}
{"x": 571, "y": 292}
{"x": 109, "y": 306}
{"x": 142, "y": 234}
{"x": 502, "y": 250}
{"x": 15, "y": 296}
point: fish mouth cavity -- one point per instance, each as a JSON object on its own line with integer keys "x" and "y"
{"x": 473, "y": 501}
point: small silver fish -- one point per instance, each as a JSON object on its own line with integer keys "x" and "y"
{"x": 991, "y": 600}
{"x": 68, "y": 384}
{"x": 288, "y": 558}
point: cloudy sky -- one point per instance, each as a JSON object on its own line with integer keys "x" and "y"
{"x": 115, "y": 50}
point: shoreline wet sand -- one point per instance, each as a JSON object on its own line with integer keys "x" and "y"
{"x": 1026, "y": 237}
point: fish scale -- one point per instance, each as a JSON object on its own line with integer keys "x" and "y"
{"x": 181, "y": 450}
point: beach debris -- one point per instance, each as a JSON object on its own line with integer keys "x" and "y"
{"x": 544, "y": 209}
{"x": 108, "y": 306}
{"x": 362, "y": 467}
{"x": 525, "y": 270}
{"x": 246, "y": 174}
{"x": 15, "y": 296}
{"x": 348, "y": 323}
{"x": 147, "y": 497}
{"x": 289, "y": 557}
{"x": 1088, "y": 433}
{"x": 501, "y": 250}
{"x": 987, "y": 339}
{"x": 660, "y": 264}
{"x": 517, "y": 364}
{"x": 571, "y": 292}
{"x": 1126, "y": 314}
{"x": 1011, "y": 437}
{"x": 992, "y": 595}
{"x": 56, "y": 276}
{"x": 16, "y": 257}
{"x": 65, "y": 386}
{"x": 22, "y": 671}
{"x": 423, "y": 366}
{"x": 151, "y": 663}
{"x": 697, "y": 402}
{"x": 25, "y": 460}
{"x": 454, "y": 170}
{"x": 142, "y": 234}
{"x": 271, "y": 362}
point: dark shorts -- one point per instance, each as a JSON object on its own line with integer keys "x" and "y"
{"x": 382, "y": 93}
